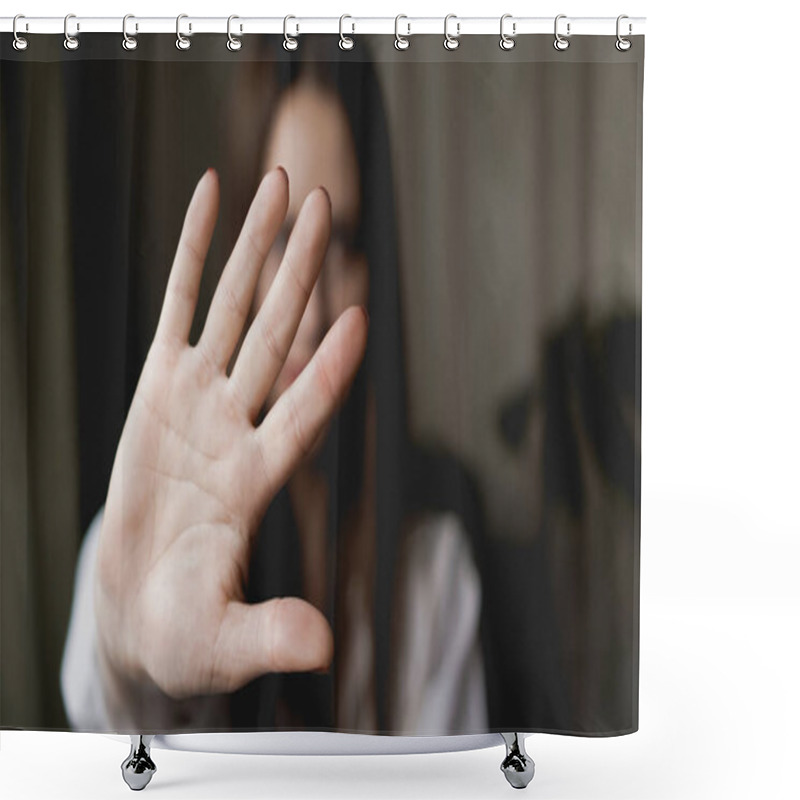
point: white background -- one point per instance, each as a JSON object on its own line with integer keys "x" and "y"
{"x": 720, "y": 445}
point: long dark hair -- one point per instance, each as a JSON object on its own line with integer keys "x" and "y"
{"x": 406, "y": 476}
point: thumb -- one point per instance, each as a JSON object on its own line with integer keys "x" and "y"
{"x": 284, "y": 634}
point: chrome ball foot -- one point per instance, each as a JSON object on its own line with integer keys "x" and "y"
{"x": 517, "y": 766}
{"x": 138, "y": 768}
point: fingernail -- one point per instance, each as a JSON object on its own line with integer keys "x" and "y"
{"x": 211, "y": 170}
{"x": 327, "y": 194}
{"x": 366, "y": 313}
{"x": 283, "y": 170}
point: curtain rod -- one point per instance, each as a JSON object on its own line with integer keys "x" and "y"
{"x": 298, "y": 25}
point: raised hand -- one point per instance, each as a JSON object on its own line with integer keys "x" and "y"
{"x": 194, "y": 474}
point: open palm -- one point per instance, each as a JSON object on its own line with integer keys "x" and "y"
{"x": 194, "y": 473}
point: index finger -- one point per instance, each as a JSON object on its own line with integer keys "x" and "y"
{"x": 183, "y": 285}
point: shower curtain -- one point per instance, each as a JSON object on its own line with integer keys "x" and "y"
{"x": 320, "y": 385}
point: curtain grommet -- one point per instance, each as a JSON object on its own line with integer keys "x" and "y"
{"x": 129, "y": 42}
{"x": 561, "y": 42}
{"x": 71, "y": 42}
{"x": 622, "y": 44}
{"x": 507, "y": 41}
{"x": 234, "y": 43}
{"x": 182, "y": 42}
{"x": 20, "y": 42}
{"x": 451, "y": 42}
{"x": 289, "y": 42}
{"x": 401, "y": 42}
{"x": 346, "y": 42}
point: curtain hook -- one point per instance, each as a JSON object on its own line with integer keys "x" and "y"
{"x": 507, "y": 42}
{"x": 20, "y": 42}
{"x": 561, "y": 43}
{"x": 182, "y": 43}
{"x": 401, "y": 42}
{"x": 346, "y": 42}
{"x": 70, "y": 42}
{"x": 451, "y": 42}
{"x": 234, "y": 42}
{"x": 289, "y": 42}
{"x": 623, "y": 44}
{"x": 129, "y": 42}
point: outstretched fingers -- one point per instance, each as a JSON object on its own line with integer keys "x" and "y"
{"x": 183, "y": 284}
{"x": 271, "y": 334}
{"x": 294, "y": 422}
{"x": 234, "y": 294}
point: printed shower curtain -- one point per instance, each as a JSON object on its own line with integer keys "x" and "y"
{"x": 320, "y": 385}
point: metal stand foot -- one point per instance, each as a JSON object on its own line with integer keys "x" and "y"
{"x": 138, "y": 768}
{"x": 517, "y": 766}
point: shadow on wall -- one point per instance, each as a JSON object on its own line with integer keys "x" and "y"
{"x": 558, "y": 608}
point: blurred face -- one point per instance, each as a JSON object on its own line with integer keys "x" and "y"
{"x": 311, "y": 139}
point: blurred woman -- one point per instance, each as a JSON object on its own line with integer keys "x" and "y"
{"x": 375, "y": 534}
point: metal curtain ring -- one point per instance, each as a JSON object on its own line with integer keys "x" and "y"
{"x": 182, "y": 43}
{"x": 346, "y": 42}
{"x": 128, "y": 42}
{"x": 70, "y": 42}
{"x": 289, "y": 42}
{"x": 451, "y": 42}
{"x": 234, "y": 43}
{"x": 561, "y": 43}
{"x": 401, "y": 42}
{"x": 507, "y": 42}
{"x": 623, "y": 44}
{"x": 20, "y": 42}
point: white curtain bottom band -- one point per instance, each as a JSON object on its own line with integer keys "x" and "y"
{"x": 321, "y": 743}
